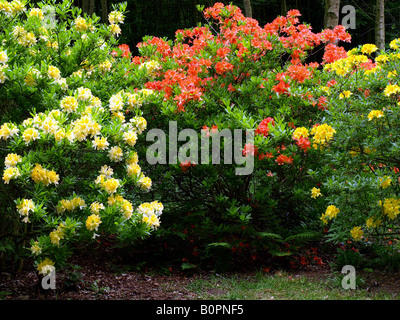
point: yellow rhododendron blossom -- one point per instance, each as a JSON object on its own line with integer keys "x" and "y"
{"x": 130, "y": 137}
{"x": 24, "y": 207}
{"x": 57, "y": 235}
{"x": 30, "y": 134}
{"x": 69, "y": 104}
{"x": 391, "y": 89}
{"x": 385, "y": 182}
{"x": 395, "y": 44}
{"x": 133, "y": 170}
{"x": 54, "y": 73}
{"x": 12, "y": 160}
{"x": 110, "y": 185}
{"x": 36, "y": 12}
{"x": 330, "y": 213}
{"x": 8, "y": 130}
{"x": 115, "y": 29}
{"x": 95, "y": 207}
{"x": 368, "y": 48}
{"x": 145, "y": 183}
{"x": 46, "y": 266}
{"x": 42, "y": 175}
{"x": 80, "y": 24}
{"x": 356, "y": 233}
{"x": 115, "y": 154}
{"x": 375, "y": 114}
{"x": 10, "y": 173}
{"x": 100, "y": 143}
{"x": 93, "y": 222}
{"x": 36, "y": 249}
{"x": 315, "y": 192}
{"x": 300, "y": 132}
{"x": 345, "y": 94}
{"x": 372, "y": 222}
{"x": 115, "y": 17}
{"x": 3, "y": 57}
{"x": 322, "y": 134}
{"x": 390, "y": 207}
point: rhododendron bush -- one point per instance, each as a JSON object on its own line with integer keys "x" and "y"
{"x": 76, "y": 105}
{"x": 231, "y": 73}
{"x": 71, "y": 171}
{"x": 363, "y": 189}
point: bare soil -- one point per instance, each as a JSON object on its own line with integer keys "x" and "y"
{"x": 106, "y": 276}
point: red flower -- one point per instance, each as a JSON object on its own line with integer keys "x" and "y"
{"x": 185, "y": 165}
{"x": 263, "y": 126}
{"x": 250, "y": 149}
{"x": 281, "y": 87}
{"x": 281, "y": 159}
{"x": 303, "y": 143}
{"x": 223, "y": 67}
{"x": 125, "y": 50}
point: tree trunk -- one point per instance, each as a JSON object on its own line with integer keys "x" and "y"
{"x": 331, "y": 18}
{"x": 85, "y": 6}
{"x": 248, "y": 12}
{"x": 380, "y": 24}
{"x": 91, "y": 7}
{"x": 104, "y": 11}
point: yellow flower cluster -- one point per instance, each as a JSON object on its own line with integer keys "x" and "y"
{"x": 69, "y": 104}
{"x": 100, "y": 143}
{"x": 391, "y": 89}
{"x": 54, "y": 73}
{"x": 151, "y": 67}
{"x": 115, "y": 17}
{"x": 385, "y": 181}
{"x": 93, "y": 222}
{"x": 356, "y": 233}
{"x": 343, "y": 66}
{"x": 330, "y": 213}
{"x": 30, "y": 134}
{"x": 345, "y": 94}
{"x": 390, "y": 207}
{"x": 12, "y": 160}
{"x": 373, "y": 222}
{"x": 57, "y": 234}
{"x": 151, "y": 212}
{"x": 45, "y": 267}
{"x": 36, "y": 249}
{"x": 8, "y": 130}
{"x": 322, "y": 134}
{"x": 70, "y": 205}
{"x": 80, "y": 24}
{"x": 10, "y": 173}
{"x": 95, "y": 207}
{"x": 125, "y": 205}
{"x": 36, "y": 12}
{"x": 395, "y": 44}
{"x": 24, "y": 207}
{"x": 368, "y": 48}
{"x": 23, "y": 37}
{"x": 42, "y": 175}
{"x": 375, "y": 114}
{"x": 300, "y": 132}
{"x": 315, "y": 192}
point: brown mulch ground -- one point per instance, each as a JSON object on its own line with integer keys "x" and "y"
{"x": 94, "y": 279}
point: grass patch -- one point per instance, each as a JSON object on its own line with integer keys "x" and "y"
{"x": 279, "y": 286}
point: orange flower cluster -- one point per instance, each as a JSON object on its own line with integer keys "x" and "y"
{"x": 192, "y": 69}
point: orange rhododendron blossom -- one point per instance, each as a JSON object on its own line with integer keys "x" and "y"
{"x": 250, "y": 149}
{"x": 223, "y": 67}
{"x": 281, "y": 159}
{"x": 263, "y": 128}
{"x": 298, "y": 73}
